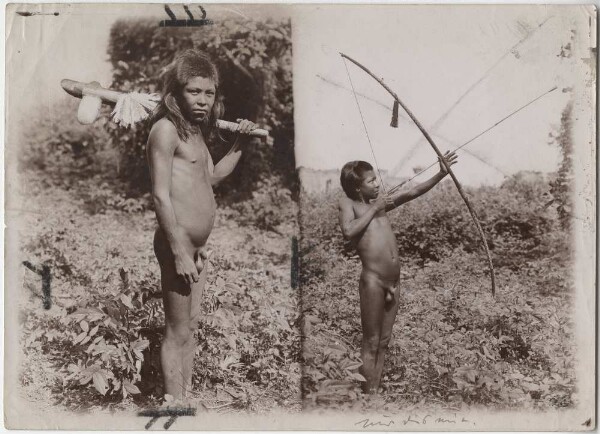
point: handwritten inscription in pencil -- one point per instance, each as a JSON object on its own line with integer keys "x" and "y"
{"x": 413, "y": 419}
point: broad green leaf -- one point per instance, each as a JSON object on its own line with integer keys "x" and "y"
{"x": 357, "y": 376}
{"x": 130, "y": 388}
{"x": 80, "y": 337}
{"x": 100, "y": 382}
{"x": 94, "y": 330}
{"x": 126, "y": 300}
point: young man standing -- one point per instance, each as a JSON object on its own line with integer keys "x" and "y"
{"x": 183, "y": 174}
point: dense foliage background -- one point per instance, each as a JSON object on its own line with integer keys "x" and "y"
{"x": 255, "y": 63}
{"x": 92, "y": 224}
{"x": 453, "y": 345}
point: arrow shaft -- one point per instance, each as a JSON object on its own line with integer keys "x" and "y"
{"x": 443, "y": 161}
{"x": 393, "y": 189}
{"x": 468, "y": 91}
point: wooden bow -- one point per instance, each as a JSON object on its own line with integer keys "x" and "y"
{"x": 442, "y": 160}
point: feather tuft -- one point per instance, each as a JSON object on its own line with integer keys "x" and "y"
{"x": 133, "y": 107}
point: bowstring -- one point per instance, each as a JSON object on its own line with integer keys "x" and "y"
{"x": 514, "y": 112}
{"x": 364, "y": 126}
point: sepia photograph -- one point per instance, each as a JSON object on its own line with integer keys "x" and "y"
{"x": 446, "y": 156}
{"x": 300, "y": 217}
{"x": 150, "y": 207}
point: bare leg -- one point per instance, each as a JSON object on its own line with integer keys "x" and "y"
{"x": 177, "y": 334}
{"x": 189, "y": 351}
{"x": 181, "y": 304}
{"x": 371, "y": 311}
{"x": 389, "y": 317}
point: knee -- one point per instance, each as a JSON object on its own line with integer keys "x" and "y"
{"x": 384, "y": 342}
{"x": 371, "y": 344}
{"x": 180, "y": 334}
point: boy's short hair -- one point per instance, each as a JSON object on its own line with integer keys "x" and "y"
{"x": 352, "y": 176}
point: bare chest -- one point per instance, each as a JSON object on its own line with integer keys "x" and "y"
{"x": 380, "y": 218}
{"x": 192, "y": 156}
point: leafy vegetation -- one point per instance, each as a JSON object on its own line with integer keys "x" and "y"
{"x": 561, "y": 186}
{"x": 98, "y": 344}
{"x": 255, "y": 65}
{"x": 454, "y": 345}
{"x": 92, "y": 224}
{"x": 64, "y": 150}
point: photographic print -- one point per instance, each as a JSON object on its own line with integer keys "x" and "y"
{"x": 276, "y": 216}
{"x": 150, "y": 213}
{"x": 447, "y": 161}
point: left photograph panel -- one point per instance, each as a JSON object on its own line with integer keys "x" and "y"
{"x": 151, "y": 214}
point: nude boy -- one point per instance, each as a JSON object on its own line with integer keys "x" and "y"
{"x": 183, "y": 174}
{"x": 364, "y": 221}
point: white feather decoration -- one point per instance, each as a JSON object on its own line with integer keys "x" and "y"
{"x": 133, "y": 107}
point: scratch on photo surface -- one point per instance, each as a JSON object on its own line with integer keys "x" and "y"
{"x": 235, "y": 11}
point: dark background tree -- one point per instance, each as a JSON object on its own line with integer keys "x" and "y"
{"x": 255, "y": 63}
{"x": 99, "y": 342}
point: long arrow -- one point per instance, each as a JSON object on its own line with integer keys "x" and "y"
{"x": 443, "y": 161}
{"x": 442, "y": 118}
{"x": 395, "y": 188}
{"x": 405, "y": 119}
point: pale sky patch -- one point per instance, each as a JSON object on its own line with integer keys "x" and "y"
{"x": 430, "y": 55}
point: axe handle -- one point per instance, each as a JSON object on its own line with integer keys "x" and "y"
{"x": 79, "y": 89}
{"x": 232, "y": 126}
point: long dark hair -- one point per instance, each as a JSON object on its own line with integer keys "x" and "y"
{"x": 188, "y": 64}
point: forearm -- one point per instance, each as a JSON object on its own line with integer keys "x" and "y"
{"x": 399, "y": 198}
{"x": 224, "y": 167}
{"x": 353, "y": 228}
{"x": 424, "y": 187}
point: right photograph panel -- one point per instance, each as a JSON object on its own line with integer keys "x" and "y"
{"x": 447, "y": 161}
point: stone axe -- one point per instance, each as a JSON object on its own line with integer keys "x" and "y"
{"x": 129, "y": 108}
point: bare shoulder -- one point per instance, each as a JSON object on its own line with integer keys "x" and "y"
{"x": 163, "y": 135}
{"x": 345, "y": 203}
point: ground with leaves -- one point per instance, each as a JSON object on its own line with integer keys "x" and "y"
{"x": 454, "y": 346}
{"x": 96, "y": 345}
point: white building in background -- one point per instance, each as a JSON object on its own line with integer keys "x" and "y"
{"x": 317, "y": 181}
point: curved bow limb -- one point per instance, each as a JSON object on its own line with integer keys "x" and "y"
{"x": 443, "y": 161}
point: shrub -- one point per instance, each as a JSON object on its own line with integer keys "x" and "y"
{"x": 561, "y": 187}
{"x": 255, "y": 63}
{"x": 516, "y": 223}
{"x": 453, "y": 344}
{"x": 57, "y": 145}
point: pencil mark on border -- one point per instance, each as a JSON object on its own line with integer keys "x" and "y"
{"x": 46, "y": 274}
{"x": 191, "y": 22}
{"x": 31, "y": 14}
{"x": 171, "y": 413}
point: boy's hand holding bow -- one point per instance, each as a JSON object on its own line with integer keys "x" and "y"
{"x": 450, "y": 159}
